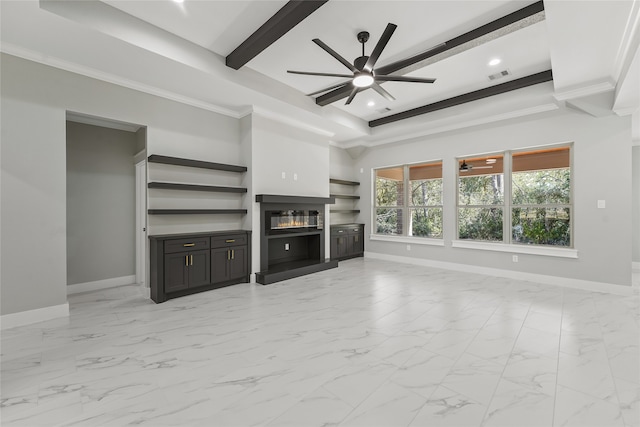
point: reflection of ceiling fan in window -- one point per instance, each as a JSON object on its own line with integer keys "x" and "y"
{"x": 465, "y": 167}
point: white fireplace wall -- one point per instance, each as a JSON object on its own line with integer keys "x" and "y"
{"x": 274, "y": 150}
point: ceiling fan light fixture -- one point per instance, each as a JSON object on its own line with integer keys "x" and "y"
{"x": 362, "y": 79}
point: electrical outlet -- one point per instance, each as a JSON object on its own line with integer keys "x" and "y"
{"x": 408, "y": 247}
{"x": 361, "y": 170}
{"x": 295, "y": 176}
{"x": 602, "y": 204}
{"x": 514, "y": 258}
{"x": 286, "y": 246}
{"x": 284, "y": 175}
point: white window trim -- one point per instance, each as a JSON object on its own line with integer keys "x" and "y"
{"x": 407, "y": 239}
{"x": 515, "y": 248}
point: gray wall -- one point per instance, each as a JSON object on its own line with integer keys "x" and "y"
{"x": 100, "y": 203}
{"x": 343, "y": 166}
{"x": 602, "y": 170}
{"x": 636, "y": 203}
{"x": 34, "y": 102}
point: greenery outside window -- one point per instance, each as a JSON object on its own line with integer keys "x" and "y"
{"x": 481, "y": 198}
{"x": 408, "y": 200}
{"x": 519, "y": 197}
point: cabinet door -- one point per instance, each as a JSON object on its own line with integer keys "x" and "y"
{"x": 342, "y": 246}
{"x": 176, "y": 272}
{"x": 199, "y": 268}
{"x": 238, "y": 262}
{"x": 357, "y": 244}
{"x": 220, "y": 265}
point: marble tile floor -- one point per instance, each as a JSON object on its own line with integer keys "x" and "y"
{"x": 370, "y": 343}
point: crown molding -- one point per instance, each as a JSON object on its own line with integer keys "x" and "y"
{"x": 455, "y": 126}
{"x": 585, "y": 90}
{"x": 629, "y": 43}
{"x": 72, "y": 67}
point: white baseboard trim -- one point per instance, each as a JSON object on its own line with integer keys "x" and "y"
{"x": 635, "y": 266}
{"x": 586, "y": 285}
{"x": 29, "y": 317}
{"x": 101, "y": 284}
{"x": 145, "y": 291}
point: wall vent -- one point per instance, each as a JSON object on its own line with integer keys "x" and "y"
{"x": 500, "y": 75}
{"x": 384, "y": 110}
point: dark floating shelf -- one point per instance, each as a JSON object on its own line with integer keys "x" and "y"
{"x": 345, "y": 210}
{"x": 155, "y": 158}
{"x": 195, "y": 211}
{"x": 194, "y": 187}
{"x": 345, "y": 196}
{"x": 342, "y": 182}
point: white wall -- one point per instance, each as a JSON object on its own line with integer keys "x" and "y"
{"x": 602, "y": 171}
{"x": 34, "y": 102}
{"x": 100, "y": 203}
{"x": 635, "y": 198}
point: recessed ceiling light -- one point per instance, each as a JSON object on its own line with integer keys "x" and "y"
{"x": 494, "y": 61}
{"x": 371, "y": 103}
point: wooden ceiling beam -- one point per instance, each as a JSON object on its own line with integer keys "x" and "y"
{"x": 518, "y": 15}
{"x": 533, "y": 79}
{"x": 290, "y": 15}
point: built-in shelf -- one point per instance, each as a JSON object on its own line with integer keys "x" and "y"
{"x": 195, "y": 211}
{"x": 345, "y": 196}
{"x": 342, "y": 182}
{"x": 354, "y": 211}
{"x": 194, "y": 187}
{"x": 177, "y": 161}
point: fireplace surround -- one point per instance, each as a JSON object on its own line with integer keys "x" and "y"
{"x": 292, "y": 237}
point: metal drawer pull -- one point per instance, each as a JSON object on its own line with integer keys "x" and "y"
{"x": 340, "y": 231}
{"x": 230, "y": 241}
{"x": 188, "y": 245}
{"x": 229, "y": 254}
{"x": 233, "y": 254}
{"x": 186, "y": 260}
{"x": 191, "y": 259}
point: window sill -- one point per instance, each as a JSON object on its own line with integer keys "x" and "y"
{"x": 517, "y": 249}
{"x": 407, "y": 239}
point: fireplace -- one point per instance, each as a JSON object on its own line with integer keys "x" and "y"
{"x": 291, "y": 237}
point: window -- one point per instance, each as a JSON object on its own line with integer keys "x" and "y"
{"x": 409, "y": 200}
{"x": 481, "y": 198}
{"x": 516, "y": 197}
{"x": 541, "y": 192}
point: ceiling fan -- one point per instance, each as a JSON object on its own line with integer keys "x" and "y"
{"x": 364, "y": 75}
{"x": 465, "y": 167}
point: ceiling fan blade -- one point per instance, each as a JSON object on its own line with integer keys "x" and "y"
{"x": 328, "y": 88}
{"x": 381, "y": 91}
{"x": 336, "y": 55}
{"x": 404, "y": 63}
{"x": 384, "y": 39}
{"x": 311, "y": 73}
{"x": 352, "y": 95}
{"x": 404, "y": 79}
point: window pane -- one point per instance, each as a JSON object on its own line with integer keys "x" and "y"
{"x": 481, "y": 190}
{"x": 541, "y": 187}
{"x": 480, "y": 223}
{"x": 390, "y": 187}
{"x": 426, "y": 222}
{"x": 389, "y": 221}
{"x": 426, "y": 192}
{"x": 541, "y": 226}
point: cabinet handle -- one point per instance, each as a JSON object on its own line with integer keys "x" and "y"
{"x": 340, "y": 231}
{"x": 233, "y": 254}
{"x": 186, "y": 260}
{"x": 229, "y": 254}
{"x": 230, "y": 241}
{"x": 356, "y": 238}
{"x": 188, "y": 245}
{"x": 191, "y": 259}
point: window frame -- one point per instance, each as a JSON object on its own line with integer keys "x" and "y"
{"x": 508, "y": 206}
{"x": 406, "y": 207}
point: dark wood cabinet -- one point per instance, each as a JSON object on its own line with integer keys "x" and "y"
{"x": 188, "y": 263}
{"x": 347, "y": 241}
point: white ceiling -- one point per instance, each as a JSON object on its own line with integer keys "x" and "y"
{"x": 588, "y": 44}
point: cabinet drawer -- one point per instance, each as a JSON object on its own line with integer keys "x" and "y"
{"x": 355, "y": 230}
{"x": 184, "y": 245}
{"x": 228, "y": 240}
{"x": 339, "y": 231}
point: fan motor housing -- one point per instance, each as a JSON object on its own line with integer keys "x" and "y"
{"x": 360, "y": 62}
